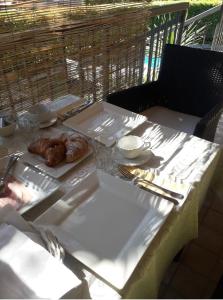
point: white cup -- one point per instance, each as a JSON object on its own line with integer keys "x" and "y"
{"x": 131, "y": 146}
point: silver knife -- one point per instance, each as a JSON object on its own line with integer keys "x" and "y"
{"x": 37, "y": 169}
{"x": 76, "y": 110}
{"x": 152, "y": 190}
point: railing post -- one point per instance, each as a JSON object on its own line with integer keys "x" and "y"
{"x": 182, "y": 19}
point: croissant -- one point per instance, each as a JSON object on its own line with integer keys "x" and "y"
{"x": 55, "y": 154}
{"x": 76, "y": 147}
{"x": 39, "y": 146}
{"x": 56, "y": 150}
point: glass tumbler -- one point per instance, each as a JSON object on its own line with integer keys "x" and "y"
{"x": 103, "y": 157}
{"x": 29, "y": 125}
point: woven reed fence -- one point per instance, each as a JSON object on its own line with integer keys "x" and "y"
{"x": 51, "y": 53}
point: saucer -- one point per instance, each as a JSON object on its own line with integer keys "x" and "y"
{"x": 48, "y": 123}
{"x": 133, "y": 162}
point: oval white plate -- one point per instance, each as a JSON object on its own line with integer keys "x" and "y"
{"x": 48, "y": 124}
{"x": 140, "y": 160}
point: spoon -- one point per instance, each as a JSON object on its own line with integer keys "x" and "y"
{"x": 11, "y": 163}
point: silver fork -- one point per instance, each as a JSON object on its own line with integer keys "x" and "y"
{"x": 54, "y": 245}
{"x": 138, "y": 179}
{"x": 12, "y": 161}
{"x": 50, "y": 241}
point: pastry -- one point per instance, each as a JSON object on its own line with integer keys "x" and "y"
{"x": 66, "y": 147}
{"x": 39, "y": 146}
{"x": 55, "y": 153}
{"x": 76, "y": 147}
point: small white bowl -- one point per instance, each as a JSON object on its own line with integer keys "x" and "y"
{"x": 7, "y": 130}
{"x": 130, "y": 146}
{"x": 42, "y": 113}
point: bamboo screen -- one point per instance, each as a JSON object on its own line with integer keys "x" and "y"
{"x": 53, "y": 52}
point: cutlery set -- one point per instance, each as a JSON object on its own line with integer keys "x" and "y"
{"x": 151, "y": 186}
{"x": 75, "y": 109}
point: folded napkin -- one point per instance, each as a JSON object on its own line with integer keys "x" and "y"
{"x": 163, "y": 180}
{"x": 64, "y": 104}
{"x": 27, "y": 270}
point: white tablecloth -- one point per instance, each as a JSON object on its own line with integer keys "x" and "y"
{"x": 176, "y": 154}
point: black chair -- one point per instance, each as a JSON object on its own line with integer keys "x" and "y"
{"x": 187, "y": 96}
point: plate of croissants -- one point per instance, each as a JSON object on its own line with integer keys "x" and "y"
{"x": 55, "y": 156}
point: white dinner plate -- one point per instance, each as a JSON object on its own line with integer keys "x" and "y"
{"x": 105, "y": 122}
{"x": 39, "y": 186}
{"x": 133, "y": 162}
{"x": 107, "y": 224}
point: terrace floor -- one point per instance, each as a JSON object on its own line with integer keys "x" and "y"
{"x": 199, "y": 269}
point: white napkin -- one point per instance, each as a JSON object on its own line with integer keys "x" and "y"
{"x": 27, "y": 270}
{"x": 10, "y": 216}
{"x": 65, "y": 103}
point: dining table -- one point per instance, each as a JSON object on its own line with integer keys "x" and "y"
{"x": 185, "y": 163}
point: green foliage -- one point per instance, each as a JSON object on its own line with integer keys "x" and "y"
{"x": 196, "y": 7}
{"x": 194, "y": 33}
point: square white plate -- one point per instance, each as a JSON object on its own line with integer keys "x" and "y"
{"x": 105, "y": 122}
{"x": 39, "y": 186}
{"x": 57, "y": 171}
{"x": 63, "y": 167}
{"x": 107, "y": 224}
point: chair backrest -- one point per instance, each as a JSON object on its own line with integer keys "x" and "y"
{"x": 191, "y": 79}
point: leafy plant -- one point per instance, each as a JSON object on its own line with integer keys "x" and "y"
{"x": 194, "y": 33}
{"x": 196, "y": 7}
